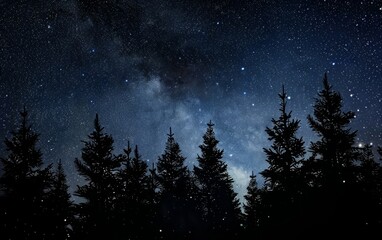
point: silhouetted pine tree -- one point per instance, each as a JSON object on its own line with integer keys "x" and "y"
{"x": 334, "y": 150}
{"x": 134, "y": 204}
{"x": 60, "y": 208}
{"x": 218, "y": 202}
{"x": 175, "y": 203}
{"x": 285, "y": 155}
{"x": 122, "y": 214}
{"x": 252, "y": 207}
{"x": 154, "y": 201}
{"x": 370, "y": 186}
{"x": 24, "y": 183}
{"x": 282, "y": 179}
{"x": 98, "y": 166}
{"x": 332, "y": 162}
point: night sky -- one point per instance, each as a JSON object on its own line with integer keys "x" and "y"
{"x": 145, "y": 66}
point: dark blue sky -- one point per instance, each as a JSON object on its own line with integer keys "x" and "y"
{"x": 145, "y": 66}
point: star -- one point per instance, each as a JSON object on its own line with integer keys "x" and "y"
{"x": 180, "y": 65}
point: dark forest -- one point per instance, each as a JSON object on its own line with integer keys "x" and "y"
{"x": 332, "y": 188}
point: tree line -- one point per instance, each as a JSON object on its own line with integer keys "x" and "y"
{"x": 335, "y": 190}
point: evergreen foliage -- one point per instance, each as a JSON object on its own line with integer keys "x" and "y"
{"x": 175, "y": 192}
{"x": 332, "y": 166}
{"x": 369, "y": 185}
{"x": 98, "y": 166}
{"x": 60, "y": 206}
{"x": 286, "y": 152}
{"x": 24, "y": 182}
{"x": 335, "y": 192}
{"x": 218, "y": 202}
{"x": 134, "y": 206}
{"x": 282, "y": 177}
{"x": 252, "y": 206}
{"x": 333, "y": 153}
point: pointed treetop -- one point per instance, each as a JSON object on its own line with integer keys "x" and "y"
{"x": 210, "y": 124}
{"x": 24, "y": 116}
{"x": 96, "y": 120}
{"x": 153, "y": 170}
{"x": 24, "y": 113}
{"x": 136, "y": 152}
{"x": 97, "y": 124}
{"x": 127, "y": 150}
{"x": 283, "y": 97}
{"x": 283, "y": 90}
{"x": 60, "y": 170}
{"x": 327, "y": 86}
{"x": 170, "y": 134}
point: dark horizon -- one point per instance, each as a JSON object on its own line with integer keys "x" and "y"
{"x": 336, "y": 190}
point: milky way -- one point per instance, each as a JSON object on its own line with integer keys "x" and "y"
{"x": 145, "y": 66}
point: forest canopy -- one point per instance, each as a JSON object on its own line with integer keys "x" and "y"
{"x": 332, "y": 187}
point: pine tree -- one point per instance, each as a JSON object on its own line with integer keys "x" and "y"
{"x": 334, "y": 150}
{"x": 24, "y": 183}
{"x": 98, "y": 166}
{"x": 175, "y": 192}
{"x": 332, "y": 164}
{"x": 370, "y": 189}
{"x": 219, "y": 205}
{"x": 282, "y": 179}
{"x": 285, "y": 155}
{"x": 60, "y": 206}
{"x": 123, "y": 192}
{"x": 252, "y": 206}
{"x": 134, "y": 203}
{"x": 154, "y": 199}
{"x": 368, "y": 169}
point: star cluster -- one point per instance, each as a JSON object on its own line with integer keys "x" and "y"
{"x": 145, "y": 66}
